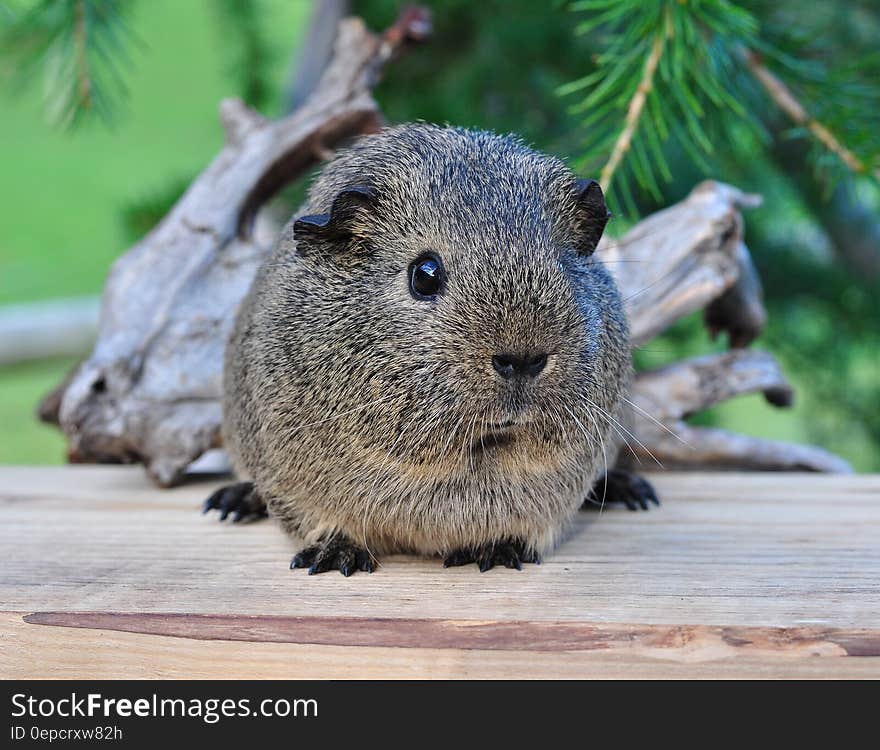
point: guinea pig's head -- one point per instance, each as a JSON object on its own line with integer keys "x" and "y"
{"x": 450, "y": 278}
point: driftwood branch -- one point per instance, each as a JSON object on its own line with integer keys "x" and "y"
{"x": 151, "y": 389}
{"x": 681, "y": 259}
{"x": 708, "y": 448}
{"x": 662, "y": 400}
{"x": 692, "y": 257}
{"x": 740, "y": 310}
{"x": 684, "y": 388}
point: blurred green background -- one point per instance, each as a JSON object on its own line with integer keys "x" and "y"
{"x": 72, "y": 200}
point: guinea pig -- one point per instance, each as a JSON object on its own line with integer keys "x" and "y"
{"x": 433, "y": 360}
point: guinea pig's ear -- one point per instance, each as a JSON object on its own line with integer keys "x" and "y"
{"x": 592, "y": 214}
{"x": 349, "y": 205}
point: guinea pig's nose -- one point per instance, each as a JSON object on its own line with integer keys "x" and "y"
{"x": 519, "y": 365}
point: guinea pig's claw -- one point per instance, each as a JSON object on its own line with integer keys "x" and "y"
{"x": 241, "y": 500}
{"x": 618, "y": 486}
{"x": 335, "y": 553}
{"x": 511, "y": 553}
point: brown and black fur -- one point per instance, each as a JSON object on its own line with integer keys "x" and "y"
{"x": 371, "y": 422}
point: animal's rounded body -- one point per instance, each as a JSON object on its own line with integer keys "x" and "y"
{"x": 432, "y": 360}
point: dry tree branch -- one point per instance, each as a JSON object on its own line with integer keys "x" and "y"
{"x": 664, "y": 398}
{"x": 150, "y": 390}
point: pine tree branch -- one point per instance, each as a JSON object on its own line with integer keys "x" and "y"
{"x": 81, "y": 46}
{"x": 636, "y": 105}
{"x": 788, "y": 103}
{"x": 83, "y": 76}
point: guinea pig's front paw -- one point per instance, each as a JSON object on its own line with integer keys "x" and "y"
{"x": 511, "y": 553}
{"x": 334, "y": 553}
{"x": 241, "y": 499}
{"x": 618, "y": 486}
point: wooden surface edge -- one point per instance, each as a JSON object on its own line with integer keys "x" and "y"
{"x": 124, "y": 645}
{"x": 669, "y": 641}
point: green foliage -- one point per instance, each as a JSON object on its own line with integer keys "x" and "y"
{"x": 679, "y": 56}
{"x": 494, "y": 64}
{"x": 249, "y": 55}
{"x": 23, "y": 438}
{"x": 140, "y": 215}
{"x": 830, "y": 60}
{"x": 68, "y": 195}
{"x": 671, "y": 77}
{"x": 82, "y": 48}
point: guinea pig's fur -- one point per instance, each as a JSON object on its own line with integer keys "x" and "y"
{"x": 369, "y": 420}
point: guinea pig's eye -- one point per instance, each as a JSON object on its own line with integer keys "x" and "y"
{"x": 426, "y": 277}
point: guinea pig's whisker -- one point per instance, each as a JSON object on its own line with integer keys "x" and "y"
{"x": 470, "y": 444}
{"x": 626, "y": 442}
{"x": 612, "y": 424}
{"x": 622, "y": 242}
{"x": 452, "y": 433}
{"x": 339, "y": 415}
{"x": 599, "y": 433}
{"x": 610, "y": 261}
{"x": 658, "y": 423}
{"x": 592, "y": 439}
{"x": 556, "y": 420}
{"x": 589, "y": 442}
{"x": 608, "y": 416}
{"x": 646, "y": 288}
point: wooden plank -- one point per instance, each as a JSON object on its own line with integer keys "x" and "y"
{"x": 34, "y": 652}
{"x": 512, "y": 635}
{"x": 736, "y": 575}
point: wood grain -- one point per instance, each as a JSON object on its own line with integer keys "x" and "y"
{"x": 515, "y": 635}
{"x": 739, "y": 575}
{"x": 32, "y": 651}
